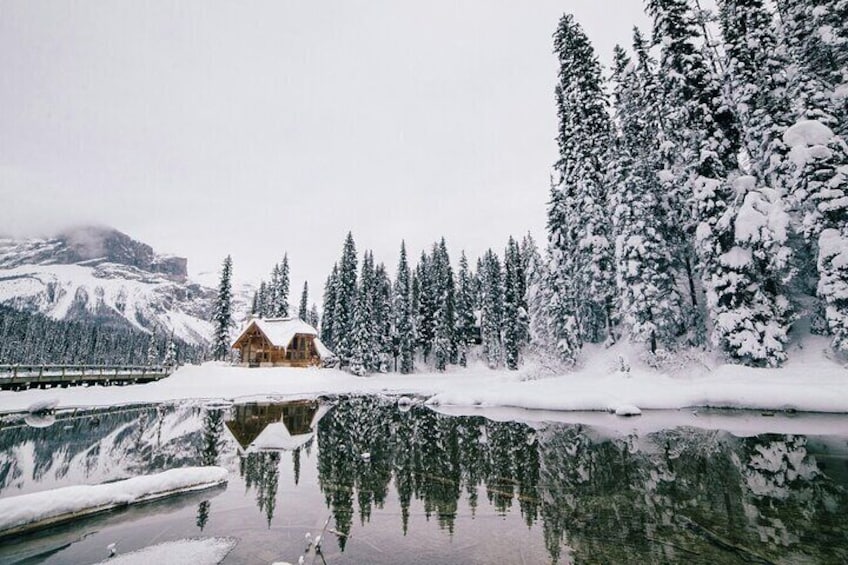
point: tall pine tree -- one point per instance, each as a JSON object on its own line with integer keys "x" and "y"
{"x": 404, "y": 327}
{"x": 223, "y": 314}
{"x": 581, "y": 283}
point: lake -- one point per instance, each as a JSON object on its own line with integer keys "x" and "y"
{"x": 407, "y": 484}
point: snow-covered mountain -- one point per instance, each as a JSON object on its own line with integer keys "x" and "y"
{"x": 101, "y": 274}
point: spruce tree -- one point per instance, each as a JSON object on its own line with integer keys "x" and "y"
{"x": 314, "y": 319}
{"x": 302, "y": 311}
{"x": 444, "y": 315}
{"x": 581, "y": 276}
{"x": 404, "y": 329}
{"x": 362, "y": 356}
{"x": 649, "y": 302}
{"x": 328, "y": 336}
{"x": 274, "y": 292}
{"x": 426, "y": 314}
{"x": 383, "y": 318}
{"x": 223, "y": 314}
{"x": 751, "y": 310}
{"x": 345, "y": 304}
{"x": 465, "y": 321}
{"x": 491, "y": 306}
{"x": 262, "y": 300}
{"x": 152, "y": 350}
{"x": 514, "y": 306}
{"x": 170, "y": 360}
{"x": 819, "y": 157}
{"x": 703, "y": 132}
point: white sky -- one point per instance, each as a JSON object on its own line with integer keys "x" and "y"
{"x": 253, "y": 128}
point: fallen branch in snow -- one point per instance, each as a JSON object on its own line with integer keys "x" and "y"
{"x": 28, "y": 512}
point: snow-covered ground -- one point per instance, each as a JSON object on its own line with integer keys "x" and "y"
{"x": 39, "y": 509}
{"x": 613, "y": 379}
{"x": 207, "y": 551}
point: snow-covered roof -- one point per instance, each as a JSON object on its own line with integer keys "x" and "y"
{"x": 280, "y": 331}
{"x": 276, "y": 437}
{"x": 323, "y": 351}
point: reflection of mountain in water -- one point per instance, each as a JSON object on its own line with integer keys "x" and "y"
{"x": 92, "y": 446}
{"x": 677, "y": 495}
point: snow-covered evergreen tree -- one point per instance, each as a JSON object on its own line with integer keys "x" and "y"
{"x": 491, "y": 307}
{"x": 514, "y": 307}
{"x": 303, "y": 308}
{"x": 281, "y": 291}
{"x": 314, "y": 319}
{"x": 262, "y": 300}
{"x": 749, "y": 321}
{"x": 345, "y": 304}
{"x": 818, "y": 186}
{"x": 425, "y": 319}
{"x": 363, "y": 357}
{"x": 170, "y": 360}
{"x": 649, "y": 302}
{"x": 383, "y": 318}
{"x": 152, "y": 351}
{"x": 465, "y": 320}
{"x": 223, "y": 313}
{"x": 581, "y": 283}
{"x": 328, "y": 336}
{"x": 404, "y": 328}
{"x": 444, "y": 316}
{"x": 816, "y": 39}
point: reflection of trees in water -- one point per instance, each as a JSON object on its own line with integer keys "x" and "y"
{"x": 202, "y": 514}
{"x": 683, "y": 494}
{"x": 432, "y": 458}
{"x": 261, "y": 471}
{"x": 210, "y": 448}
{"x": 213, "y": 427}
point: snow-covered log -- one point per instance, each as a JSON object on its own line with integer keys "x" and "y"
{"x": 27, "y": 512}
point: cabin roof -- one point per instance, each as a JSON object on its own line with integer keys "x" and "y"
{"x": 280, "y": 331}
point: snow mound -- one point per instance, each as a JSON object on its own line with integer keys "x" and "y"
{"x": 808, "y": 140}
{"x": 208, "y": 551}
{"x": 40, "y": 509}
{"x": 627, "y": 410}
{"x": 41, "y": 406}
{"x": 807, "y": 133}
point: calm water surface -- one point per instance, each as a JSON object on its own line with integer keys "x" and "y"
{"x": 435, "y": 488}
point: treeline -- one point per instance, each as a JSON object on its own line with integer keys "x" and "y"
{"x": 30, "y": 338}
{"x": 429, "y": 314}
{"x": 705, "y": 199}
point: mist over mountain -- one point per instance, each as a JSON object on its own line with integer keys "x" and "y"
{"x": 95, "y": 273}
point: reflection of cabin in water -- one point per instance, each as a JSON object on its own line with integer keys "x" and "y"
{"x": 275, "y": 426}
{"x": 286, "y": 342}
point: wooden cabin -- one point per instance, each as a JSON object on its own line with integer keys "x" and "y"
{"x": 281, "y": 342}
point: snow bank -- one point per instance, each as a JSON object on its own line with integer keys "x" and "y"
{"x": 36, "y": 510}
{"x": 208, "y": 551}
{"x": 809, "y": 381}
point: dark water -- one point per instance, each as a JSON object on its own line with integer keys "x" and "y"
{"x": 437, "y": 488}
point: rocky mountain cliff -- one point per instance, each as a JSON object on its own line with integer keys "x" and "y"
{"x": 101, "y": 274}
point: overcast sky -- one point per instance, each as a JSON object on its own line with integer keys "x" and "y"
{"x": 254, "y": 128}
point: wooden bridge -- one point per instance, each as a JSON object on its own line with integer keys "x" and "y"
{"x": 19, "y": 377}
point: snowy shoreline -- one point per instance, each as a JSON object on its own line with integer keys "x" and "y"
{"x": 811, "y": 382}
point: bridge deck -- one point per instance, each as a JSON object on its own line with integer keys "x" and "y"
{"x": 18, "y": 377}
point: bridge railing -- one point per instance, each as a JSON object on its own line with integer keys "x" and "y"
{"x": 43, "y": 370}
